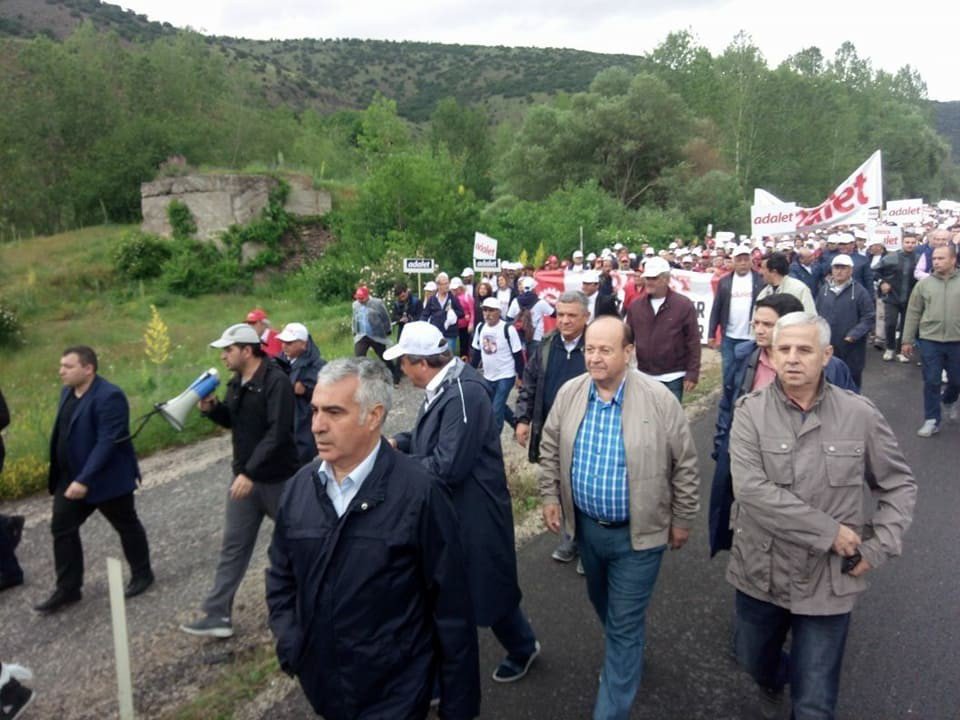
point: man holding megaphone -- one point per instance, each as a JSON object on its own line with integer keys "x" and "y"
{"x": 258, "y": 409}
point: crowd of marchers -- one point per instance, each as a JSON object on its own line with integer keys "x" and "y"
{"x": 387, "y": 554}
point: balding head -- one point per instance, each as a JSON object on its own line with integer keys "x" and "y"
{"x": 608, "y": 347}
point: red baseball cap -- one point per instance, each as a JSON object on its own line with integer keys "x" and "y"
{"x": 362, "y": 293}
{"x": 256, "y": 315}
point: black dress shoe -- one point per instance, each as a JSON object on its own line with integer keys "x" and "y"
{"x": 59, "y": 600}
{"x": 138, "y": 585}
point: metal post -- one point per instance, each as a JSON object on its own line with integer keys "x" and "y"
{"x": 121, "y": 647}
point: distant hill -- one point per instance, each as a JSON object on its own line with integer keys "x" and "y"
{"x": 58, "y": 18}
{"x": 948, "y": 124}
{"x": 344, "y": 74}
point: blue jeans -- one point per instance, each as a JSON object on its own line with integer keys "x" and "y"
{"x": 816, "y": 654}
{"x": 619, "y": 582}
{"x": 676, "y": 387}
{"x": 727, "y": 346}
{"x": 501, "y": 410}
{"x": 515, "y": 634}
{"x": 937, "y": 357}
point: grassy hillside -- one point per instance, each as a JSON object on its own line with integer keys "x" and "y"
{"x": 66, "y": 293}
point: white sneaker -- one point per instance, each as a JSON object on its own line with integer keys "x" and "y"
{"x": 943, "y": 378}
{"x": 888, "y": 355}
{"x": 929, "y": 428}
{"x": 951, "y": 411}
{"x": 902, "y": 358}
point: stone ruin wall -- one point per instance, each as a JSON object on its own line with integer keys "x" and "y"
{"x": 219, "y": 201}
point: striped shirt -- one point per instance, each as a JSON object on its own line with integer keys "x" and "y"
{"x": 599, "y": 472}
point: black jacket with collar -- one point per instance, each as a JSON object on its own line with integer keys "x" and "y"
{"x": 456, "y": 439}
{"x": 370, "y": 607}
{"x": 260, "y": 416}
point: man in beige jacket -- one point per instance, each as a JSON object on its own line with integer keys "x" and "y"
{"x": 617, "y": 454}
{"x": 805, "y": 456}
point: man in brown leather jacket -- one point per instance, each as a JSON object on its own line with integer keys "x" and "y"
{"x": 805, "y": 455}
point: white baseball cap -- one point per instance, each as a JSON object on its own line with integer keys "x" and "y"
{"x": 528, "y": 283}
{"x": 590, "y": 276}
{"x": 467, "y": 272}
{"x": 456, "y": 283}
{"x": 293, "y": 331}
{"x": 239, "y": 334}
{"x": 578, "y": 253}
{"x": 655, "y": 267}
{"x": 430, "y": 286}
{"x": 842, "y": 260}
{"x": 741, "y": 250}
{"x": 490, "y": 303}
{"x": 418, "y": 338}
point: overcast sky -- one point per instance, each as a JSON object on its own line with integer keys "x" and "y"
{"x": 889, "y": 34}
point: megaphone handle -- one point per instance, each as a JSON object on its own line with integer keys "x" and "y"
{"x": 143, "y": 419}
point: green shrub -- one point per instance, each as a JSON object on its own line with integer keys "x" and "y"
{"x": 23, "y": 476}
{"x": 181, "y": 220}
{"x": 11, "y": 331}
{"x": 196, "y": 268}
{"x": 140, "y": 256}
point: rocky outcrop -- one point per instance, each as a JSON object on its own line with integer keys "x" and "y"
{"x": 219, "y": 201}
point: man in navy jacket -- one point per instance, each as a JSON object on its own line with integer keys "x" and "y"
{"x": 92, "y": 467}
{"x": 455, "y": 438}
{"x": 367, "y": 590}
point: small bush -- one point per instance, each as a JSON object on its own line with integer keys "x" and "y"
{"x": 140, "y": 256}
{"x": 11, "y": 331}
{"x": 23, "y": 476}
{"x": 196, "y": 268}
{"x": 181, "y": 220}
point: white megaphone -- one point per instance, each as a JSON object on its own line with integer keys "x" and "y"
{"x": 175, "y": 411}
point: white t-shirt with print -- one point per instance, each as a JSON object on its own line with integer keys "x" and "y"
{"x": 741, "y": 301}
{"x": 496, "y": 354}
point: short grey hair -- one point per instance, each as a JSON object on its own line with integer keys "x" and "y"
{"x": 796, "y": 319}
{"x": 575, "y": 296}
{"x": 442, "y": 276}
{"x": 374, "y": 383}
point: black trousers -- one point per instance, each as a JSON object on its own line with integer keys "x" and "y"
{"x": 69, "y": 515}
{"x": 855, "y": 356}
{"x": 9, "y": 567}
{"x": 361, "y": 346}
{"x": 894, "y": 317}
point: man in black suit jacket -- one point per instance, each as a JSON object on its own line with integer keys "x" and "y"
{"x": 598, "y": 304}
{"x": 733, "y": 307}
{"x": 92, "y": 467}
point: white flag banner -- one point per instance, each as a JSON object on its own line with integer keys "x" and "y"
{"x": 850, "y": 201}
{"x": 762, "y": 197}
{"x": 484, "y": 247}
{"x": 698, "y": 287}
{"x": 904, "y": 212}
{"x": 773, "y": 219}
{"x": 889, "y": 235}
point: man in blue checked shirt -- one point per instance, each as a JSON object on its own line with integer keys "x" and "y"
{"x": 618, "y": 456}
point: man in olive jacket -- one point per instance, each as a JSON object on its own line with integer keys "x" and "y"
{"x": 805, "y": 456}
{"x": 618, "y": 455}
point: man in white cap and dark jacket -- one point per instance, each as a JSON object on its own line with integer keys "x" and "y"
{"x": 849, "y": 309}
{"x": 455, "y": 437}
